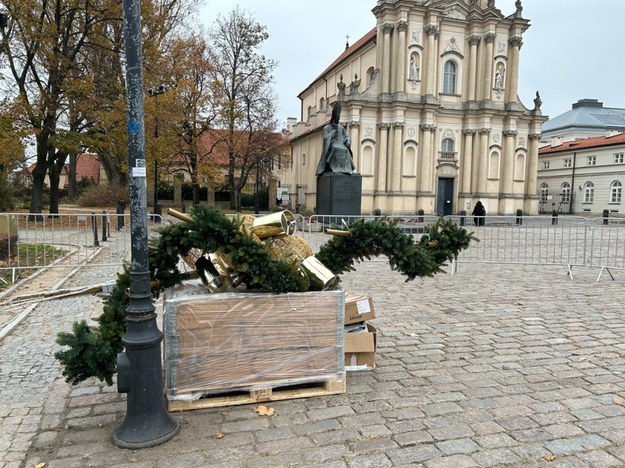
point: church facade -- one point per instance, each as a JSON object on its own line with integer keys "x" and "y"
{"x": 430, "y": 103}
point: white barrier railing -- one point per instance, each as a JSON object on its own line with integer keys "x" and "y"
{"x": 93, "y": 239}
{"x": 65, "y": 240}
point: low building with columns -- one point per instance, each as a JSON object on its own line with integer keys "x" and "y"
{"x": 429, "y": 99}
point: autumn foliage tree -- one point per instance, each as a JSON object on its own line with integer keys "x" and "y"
{"x": 244, "y": 102}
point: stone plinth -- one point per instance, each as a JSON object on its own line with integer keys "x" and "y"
{"x": 339, "y": 194}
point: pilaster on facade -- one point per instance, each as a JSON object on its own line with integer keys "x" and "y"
{"x": 387, "y": 29}
{"x": 382, "y": 158}
{"x": 400, "y": 71}
{"x": 396, "y": 156}
{"x": 466, "y": 163}
{"x": 433, "y": 33}
{"x": 489, "y": 39}
{"x": 516, "y": 42}
{"x": 473, "y": 43}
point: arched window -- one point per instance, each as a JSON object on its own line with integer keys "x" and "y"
{"x": 448, "y": 149}
{"x": 544, "y": 193}
{"x": 589, "y": 192}
{"x": 616, "y": 189}
{"x": 449, "y": 77}
{"x": 370, "y": 75}
{"x": 565, "y": 192}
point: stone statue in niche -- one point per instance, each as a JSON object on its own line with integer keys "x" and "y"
{"x": 499, "y": 76}
{"x": 413, "y": 74}
{"x": 336, "y": 155}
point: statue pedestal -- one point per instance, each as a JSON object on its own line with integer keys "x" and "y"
{"x": 339, "y": 194}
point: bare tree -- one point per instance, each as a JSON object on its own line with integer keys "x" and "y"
{"x": 244, "y": 102}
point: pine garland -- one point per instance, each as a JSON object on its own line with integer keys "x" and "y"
{"x": 442, "y": 243}
{"x": 92, "y": 351}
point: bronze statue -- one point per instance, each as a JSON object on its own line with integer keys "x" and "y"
{"x": 337, "y": 154}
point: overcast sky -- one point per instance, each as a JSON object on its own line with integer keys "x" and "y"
{"x": 571, "y": 51}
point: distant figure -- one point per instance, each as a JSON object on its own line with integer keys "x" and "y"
{"x": 336, "y": 155}
{"x": 479, "y": 212}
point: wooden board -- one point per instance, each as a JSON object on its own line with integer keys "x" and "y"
{"x": 306, "y": 390}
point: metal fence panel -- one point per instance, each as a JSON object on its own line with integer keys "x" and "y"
{"x": 69, "y": 240}
{"x": 528, "y": 240}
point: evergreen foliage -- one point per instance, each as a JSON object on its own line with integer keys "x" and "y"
{"x": 92, "y": 352}
{"x": 442, "y": 243}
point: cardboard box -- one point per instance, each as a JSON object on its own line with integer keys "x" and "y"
{"x": 360, "y": 349}
{"x": 358, "y": 309}
{"x": 238, "y": 341}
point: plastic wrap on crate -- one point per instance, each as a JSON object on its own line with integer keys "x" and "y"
{"x": 216, "y": 343}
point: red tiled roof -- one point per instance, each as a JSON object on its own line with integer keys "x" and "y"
{"x": 88, "y": 167}
{"x": 584, "y": 143}
{"x": 348, "y": 52}
{"x": 215, "y": 145}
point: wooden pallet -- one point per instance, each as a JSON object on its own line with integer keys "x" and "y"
{"x": 305, "y": 390}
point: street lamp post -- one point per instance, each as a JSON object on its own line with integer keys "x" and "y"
{"x": 155, "y": 92}
{"x": 139, "y": 369}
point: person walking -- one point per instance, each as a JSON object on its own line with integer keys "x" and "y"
{"x": 479, "y": 211}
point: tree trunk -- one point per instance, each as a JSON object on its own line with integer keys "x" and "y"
{"x": 196, "y": 193}
{"x": 72, "y": 189}
{"x": 36, "y": 200}
{"x": 55, "y": 177}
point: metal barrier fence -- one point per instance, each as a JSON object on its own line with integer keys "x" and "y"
{"x": 568, "y": 241}
{"x": 94, "y": 239}
{"x": 65, "y": 240}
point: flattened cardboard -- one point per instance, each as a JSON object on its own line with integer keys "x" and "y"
{"x": 360, "y": 349}
{"x": 358, "y": 309}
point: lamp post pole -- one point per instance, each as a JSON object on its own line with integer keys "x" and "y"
{"x": 139, "y": 370}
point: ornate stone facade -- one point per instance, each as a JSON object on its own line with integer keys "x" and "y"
{"x": 439, "y": 91}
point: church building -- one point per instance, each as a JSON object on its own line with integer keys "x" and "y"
{"x": 429, "y": 101}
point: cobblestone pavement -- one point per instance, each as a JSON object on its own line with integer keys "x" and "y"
{"x": 493, "y": 366}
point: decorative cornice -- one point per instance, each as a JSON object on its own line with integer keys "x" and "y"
{"x": 469, "y": 131}
{"x": 387, "y": 28}
{"x": 402, "y": 26}
{"x": 516, "y": 41}
{"x": 490, "y": 38}
{"x": 509, "y": 133}
{"x": 432, "y": 30}
{"x": 474, "y": 40}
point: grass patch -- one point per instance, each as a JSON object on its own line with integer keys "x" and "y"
{"x": 28, "y": 257}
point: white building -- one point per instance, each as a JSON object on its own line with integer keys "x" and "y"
{"x": 430, "y": 102}
{"x": 583, "y": 176}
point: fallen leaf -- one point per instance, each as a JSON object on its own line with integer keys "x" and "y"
{"x": 40, "y": 465}
{"x": 264, "y": 410}
{"x": 618, "y": 401}
{"x": 219, "y": 435}
{"x": 413, "y": 334}
{"x": 549, "y": 457}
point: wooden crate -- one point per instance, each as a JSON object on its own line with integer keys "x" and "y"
{"x": 257, "y": 344}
